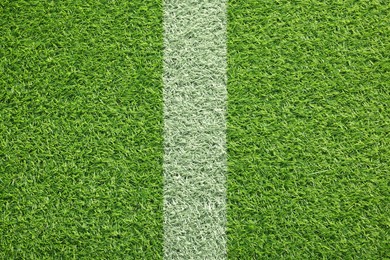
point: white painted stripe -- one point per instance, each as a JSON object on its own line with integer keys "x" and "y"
{"x": 195, "y": 129}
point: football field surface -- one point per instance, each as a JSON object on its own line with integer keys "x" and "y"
{"x": 308, "y": 129}
{"x": 81, "y": 130}
{"x": 304, "y": 169}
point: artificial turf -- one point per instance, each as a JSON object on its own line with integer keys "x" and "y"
{"x": 308, "y": 129}
{"x": 81, "y": 129}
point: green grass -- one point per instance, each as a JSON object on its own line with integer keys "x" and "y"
{"x": 308, "y": 129}
{"x": 81, "y": 129}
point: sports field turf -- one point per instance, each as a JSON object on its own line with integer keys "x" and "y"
{"x": 81, "y": 129}
{"x": 308, "y": 129}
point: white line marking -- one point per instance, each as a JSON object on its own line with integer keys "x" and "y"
{"x": 194, "y": 129}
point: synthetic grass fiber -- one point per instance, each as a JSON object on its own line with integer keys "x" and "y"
{"x": 308, "y": 129}
{"x": 194, "y": 129}
{"x": 81, "y": 129}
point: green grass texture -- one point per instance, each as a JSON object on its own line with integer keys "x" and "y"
{"x": 308, "y": 129}
{"x": 81, "y": 129}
